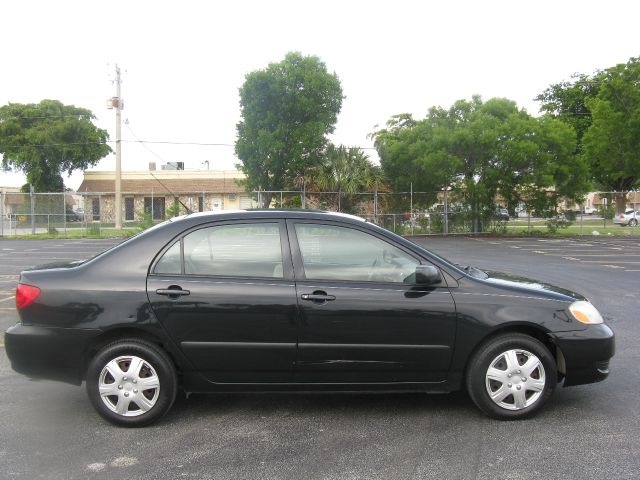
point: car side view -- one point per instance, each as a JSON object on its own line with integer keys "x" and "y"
{"x": 286, "y": 300}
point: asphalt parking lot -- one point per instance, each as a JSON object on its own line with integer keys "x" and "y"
{"x": 49, "y": 430}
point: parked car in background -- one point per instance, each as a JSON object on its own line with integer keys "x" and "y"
{"x": 502, "y": 214}
{"x": 75, "y": 216}
{"x": 589, "y": 210}
{"x": 630, "y": 217}
{"x": 285, "y": 300}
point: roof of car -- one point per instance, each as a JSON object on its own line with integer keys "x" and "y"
{"x": 272, "y": 213}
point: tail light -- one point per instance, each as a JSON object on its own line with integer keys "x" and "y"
{"x": 25, "y": 295}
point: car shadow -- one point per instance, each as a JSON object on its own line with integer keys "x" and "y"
{"x": 197, "y": 406}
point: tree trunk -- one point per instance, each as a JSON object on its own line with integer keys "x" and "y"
{"x": 621, "y": 202}
{"x": 266, "y": 199}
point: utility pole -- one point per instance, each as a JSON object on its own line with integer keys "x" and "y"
{"x": 118, "y": 105}
{"x": 32, "y": 203}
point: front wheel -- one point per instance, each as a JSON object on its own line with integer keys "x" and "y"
{"x": 511, "y": 376}
{"x": 131, "y": 383}
{"x": 633, "y": 222}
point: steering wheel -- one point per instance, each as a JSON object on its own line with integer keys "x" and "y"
{"x": 190, "y": 267}
{"x": 372, "y": 269}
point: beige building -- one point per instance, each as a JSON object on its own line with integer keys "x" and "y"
{"x": 11, "y": 200}
{"x": 632, "y": 199}
{"x": 155, "y": 192}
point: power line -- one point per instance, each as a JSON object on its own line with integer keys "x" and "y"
{"x": 142, "y": 142}
{"x": 126, "y": 124}
{"x": 202, "y": 144}
{"x": 169, "y": 142}
{"x": 40, "y": 117}
{"x": 42, "y": 145}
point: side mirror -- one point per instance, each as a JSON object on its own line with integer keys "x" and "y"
{"x": 427, "y": 275}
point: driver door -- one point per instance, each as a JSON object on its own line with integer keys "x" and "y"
{"x": 363, "y": 318}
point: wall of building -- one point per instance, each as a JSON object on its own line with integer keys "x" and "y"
{"x": 212, "y": 202}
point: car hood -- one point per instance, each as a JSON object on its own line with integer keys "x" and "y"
{"x": 528, "y": 285}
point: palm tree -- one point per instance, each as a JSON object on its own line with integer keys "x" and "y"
{"x": 347, "y": 170}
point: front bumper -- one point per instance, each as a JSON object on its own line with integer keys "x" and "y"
{"x": 586, "y": 353}
{"x": 48, "y": 352}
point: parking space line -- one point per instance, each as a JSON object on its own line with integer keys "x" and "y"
{"x": 7, "y": 309}
{"x": 608, "y": 261}
{"x": 8, "y": 298}
{"x": 549, "y": 249}
{"x": 615, "y": 255}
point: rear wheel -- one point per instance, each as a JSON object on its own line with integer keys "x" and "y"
{"x": 131, "y": 383}
{"x": 511, "y": 376}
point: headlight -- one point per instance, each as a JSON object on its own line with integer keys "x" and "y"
{"x": 584, "y": 312}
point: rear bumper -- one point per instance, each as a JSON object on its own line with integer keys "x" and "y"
{"x": 587, "y": 353}
{"x": 48, "y": 352}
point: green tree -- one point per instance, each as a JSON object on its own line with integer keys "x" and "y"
{"x": 483, "y": 150}
{"x": 347, "y": 170}
{"x": 287, "y": 110}
{"x": 612, "y": 142}
{"x": 46, "y": 139}
{"x": 568, "y": 101}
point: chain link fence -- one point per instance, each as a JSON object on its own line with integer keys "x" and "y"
{"x": 406, "y": 213}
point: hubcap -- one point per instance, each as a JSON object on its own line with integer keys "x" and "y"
{"x": 129, "y": 386}
{"x": 515, "y": 379}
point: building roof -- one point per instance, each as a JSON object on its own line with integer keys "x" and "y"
{"x": 177, "y": 181}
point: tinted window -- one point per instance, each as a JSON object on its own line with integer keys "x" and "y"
{"x": 339, "y": 253}
{"x": 154, "y": 206}
{"x": 234, "y": 250}
{"x": 95, "y": 206}
{"x": 170, "y": 261}
{"x": 128, "y": 208}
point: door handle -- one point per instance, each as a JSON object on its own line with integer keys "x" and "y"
{"x": 172, "y": 292}
{"x": 318, "y": 297}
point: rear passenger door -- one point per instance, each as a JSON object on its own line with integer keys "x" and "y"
{"x": 225, "y": 293}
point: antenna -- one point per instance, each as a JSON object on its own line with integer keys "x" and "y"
{"x": 171, "y": 193}
{"x": 189, "y": 211}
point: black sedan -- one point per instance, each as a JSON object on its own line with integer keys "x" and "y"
{"x": 296, "y": 301}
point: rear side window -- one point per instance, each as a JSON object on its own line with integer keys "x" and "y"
{"x": 247, "y": 250}
{"x": 170, "y": 263}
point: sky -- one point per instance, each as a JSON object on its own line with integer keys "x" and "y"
{"x": 183, "y": 62}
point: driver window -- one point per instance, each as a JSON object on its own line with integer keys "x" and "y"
{"x": 341, "y": 253}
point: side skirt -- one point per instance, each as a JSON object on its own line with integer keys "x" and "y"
{"x": 196, "y": 384}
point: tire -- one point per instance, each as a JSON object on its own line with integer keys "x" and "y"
{"x": 121, "y": 403}
{"x": 518, "y": 370}
{"x": 633, "y": 222}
